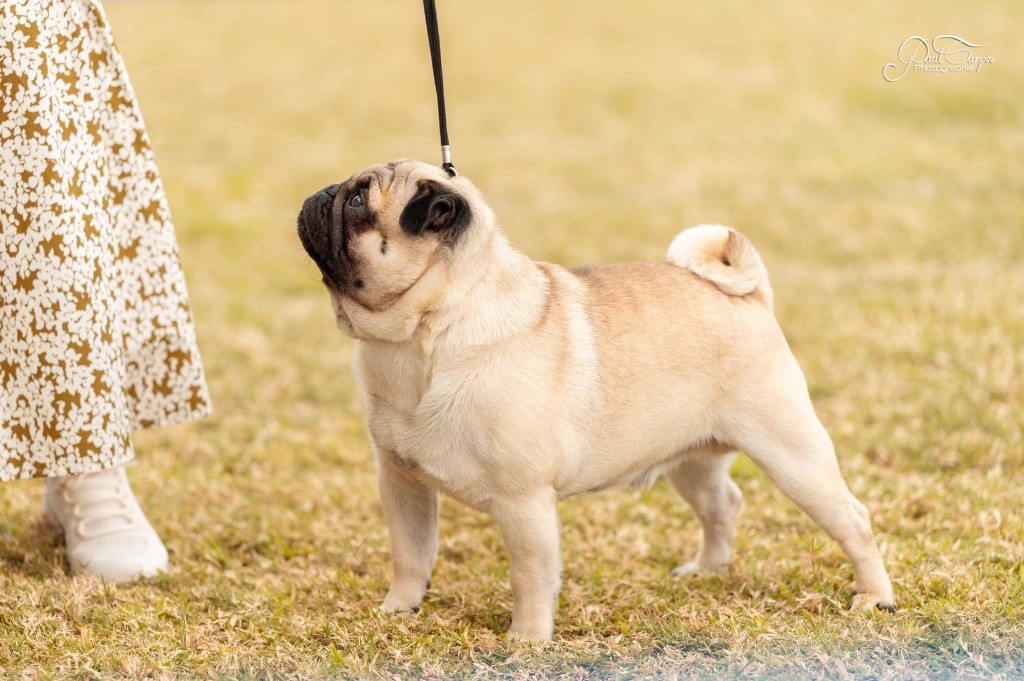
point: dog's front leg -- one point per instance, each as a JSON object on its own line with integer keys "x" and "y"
{"x": 411, "y": 511}
{"x": 529, "y": 527}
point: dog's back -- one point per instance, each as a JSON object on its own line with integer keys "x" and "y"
{"x": 671, "y": 344}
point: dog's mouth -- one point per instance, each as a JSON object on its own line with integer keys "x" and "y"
{"x": 323, "y": 238}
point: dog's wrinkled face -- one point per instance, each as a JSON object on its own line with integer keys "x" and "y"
{"x": 377, "y": 234}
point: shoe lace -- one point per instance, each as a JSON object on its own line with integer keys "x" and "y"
{"x": 99, "y": 503}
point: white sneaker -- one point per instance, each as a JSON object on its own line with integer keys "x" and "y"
{"x": 106, "y": 533}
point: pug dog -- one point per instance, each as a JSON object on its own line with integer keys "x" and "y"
{"x": 510, "y": 384}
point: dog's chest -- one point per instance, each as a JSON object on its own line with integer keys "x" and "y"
{"x": 426, "y": 416}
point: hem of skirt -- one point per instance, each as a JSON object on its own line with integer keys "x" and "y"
{"x": 80, "y": 469}
{"x": 174, "y": 418}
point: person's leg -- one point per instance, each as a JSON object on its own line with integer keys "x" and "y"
{"x": 96, "y": 335}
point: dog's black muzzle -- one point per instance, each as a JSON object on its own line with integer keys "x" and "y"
{"x": 324, "y": 240}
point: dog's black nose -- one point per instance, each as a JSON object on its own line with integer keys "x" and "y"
{"x": 316, "y": 210}
{"x": 323, "y": 240}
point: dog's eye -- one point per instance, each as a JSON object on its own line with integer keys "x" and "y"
{"x": 356, "y": 200}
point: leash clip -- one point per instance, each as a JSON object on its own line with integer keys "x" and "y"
{"x": 446, "y": 160}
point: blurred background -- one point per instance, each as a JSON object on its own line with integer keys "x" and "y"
{"x": 890, "y": 216}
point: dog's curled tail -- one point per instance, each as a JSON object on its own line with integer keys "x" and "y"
{"x": 724, "y": 257}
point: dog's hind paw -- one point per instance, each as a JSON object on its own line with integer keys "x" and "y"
{"x": 869, "y": 601}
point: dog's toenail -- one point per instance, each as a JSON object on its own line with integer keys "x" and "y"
{"x": 415, "y": 608}
{"x": 887, "y": 607}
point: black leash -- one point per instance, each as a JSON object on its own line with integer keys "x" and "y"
{"x": 430, "y": 12}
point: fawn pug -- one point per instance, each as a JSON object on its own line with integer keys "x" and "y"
{"x": 510, "y": 384}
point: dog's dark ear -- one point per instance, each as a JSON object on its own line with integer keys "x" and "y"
{"x": 436, "y": 208}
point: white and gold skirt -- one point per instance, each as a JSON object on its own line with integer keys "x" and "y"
{"x": 96, "y": 336}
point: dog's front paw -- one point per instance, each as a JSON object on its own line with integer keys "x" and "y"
{"x": 531, "y": 633}
{"x": 402, "y": 602}
{"x": 869, "y": 601}
{"x": 694, "y": 569}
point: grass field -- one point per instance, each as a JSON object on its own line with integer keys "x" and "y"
{"x": 891, "y": 219}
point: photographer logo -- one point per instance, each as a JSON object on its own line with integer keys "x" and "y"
{"x": 944, "y": 54}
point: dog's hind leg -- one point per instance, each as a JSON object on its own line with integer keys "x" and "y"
{"x": 781, "y": 433}
{"x": 702, "y": 478}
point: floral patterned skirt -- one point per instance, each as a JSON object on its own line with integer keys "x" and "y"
{"x": 96, "y": 336}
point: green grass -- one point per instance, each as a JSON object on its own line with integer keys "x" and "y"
{"x": 891, "y": 218}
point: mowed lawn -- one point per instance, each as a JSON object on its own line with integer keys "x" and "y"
{"x": 891, "y": 219}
